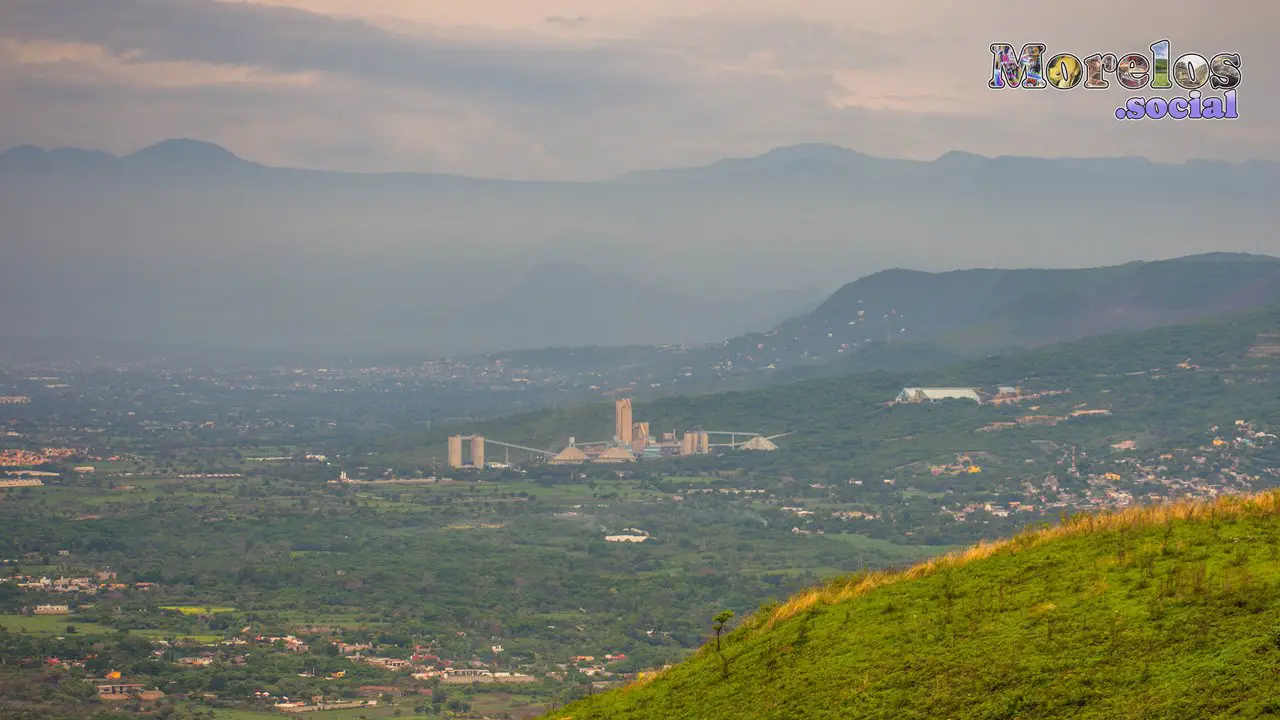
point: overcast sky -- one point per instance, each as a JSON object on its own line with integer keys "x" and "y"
{"x": 592, "y": 88}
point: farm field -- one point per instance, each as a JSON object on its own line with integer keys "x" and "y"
{"x": 51, "y": 625}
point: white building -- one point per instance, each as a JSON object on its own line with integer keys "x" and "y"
{"x": 626, "y": 538}
{"x": 920, "y": 394}
{"x": 52, "y": 610}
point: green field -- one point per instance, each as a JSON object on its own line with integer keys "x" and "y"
{"x": 351, "y": 714}
{"x": 50, "y": 625}
{"x": 221, "y": 714}
{"x": 170, "y": 634}
{"x": 862, "y": 542}
{"x": 198, "y": 609}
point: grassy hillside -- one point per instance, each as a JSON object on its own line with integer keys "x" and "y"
{"x": 1158, "y": 612}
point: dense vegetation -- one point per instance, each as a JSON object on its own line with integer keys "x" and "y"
{"x": 1153, "y": 613}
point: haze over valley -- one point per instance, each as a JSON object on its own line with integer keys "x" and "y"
{"x": 183, "y": 242}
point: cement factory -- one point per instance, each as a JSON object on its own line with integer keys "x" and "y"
{"x": 631, "y": 442}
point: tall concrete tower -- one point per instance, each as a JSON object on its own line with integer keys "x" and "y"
{"x": 622, "y": 429}
{"x": 688, "y": 443}
{"x": 477, "y": 452}
{"x": 455, "y": 451}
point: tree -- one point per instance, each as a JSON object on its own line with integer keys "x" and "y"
{"x": 718, "y": 624}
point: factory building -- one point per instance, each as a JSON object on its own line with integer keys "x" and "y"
{"x": 631, "y": 441}
{"x": 623, "y": 428}
{"x": 455, "y": 451}
{"x": 640, "y": 437}
{"x": 695, "y": 442}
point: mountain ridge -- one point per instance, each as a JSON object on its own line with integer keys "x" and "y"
{"x": 977, "y": 310}
{"x": 187, "y": 150}
{"x": 366, "y": 263}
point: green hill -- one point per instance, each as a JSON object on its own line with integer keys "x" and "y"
{"x": 910, "y": 320}
{"x": 1157, "y": 612}
{"x": 842, "y": 425}
{"x": 967, "y": 312}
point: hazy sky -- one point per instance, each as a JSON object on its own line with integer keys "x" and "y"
{"x": 591, "y": 88}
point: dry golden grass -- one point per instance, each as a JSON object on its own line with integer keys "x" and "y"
{"x": 641, "y": 680}
{"x": 1266, "y": 503}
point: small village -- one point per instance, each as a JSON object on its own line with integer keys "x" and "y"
{"x": 1126, "y": 476}
{"x": 385, "y": 679}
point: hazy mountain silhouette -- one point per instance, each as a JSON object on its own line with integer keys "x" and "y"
{"x": 980, "y": 311}
{"x": 186, "y": 242}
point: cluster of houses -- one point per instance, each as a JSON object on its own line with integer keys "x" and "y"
{"x": 590, "y": 666}
{"x": 28, "y": 458}
{"x": 113, "y": 688}
{"x": 964, "y": 465}
{"x": 1125, "y": 478}
{"x": 425, "y": 666}
{"x": 1049, "y": 420}
{"x": 999, "y": 510}
{"x": 104, "y": 581}
{"x": 855, "y": 515}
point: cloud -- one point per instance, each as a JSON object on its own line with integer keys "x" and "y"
{"x": 286, "y": 40}
{"x": 583, "y": 88}
{"x": 567, "y": 21}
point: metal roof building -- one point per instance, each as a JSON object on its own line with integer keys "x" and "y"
{"x": 917, "y": 394}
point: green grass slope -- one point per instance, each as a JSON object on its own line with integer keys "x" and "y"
{"x": 1159, "y": 612}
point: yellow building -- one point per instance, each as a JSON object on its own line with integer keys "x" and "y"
{"x": 622, "y": 429}
{"x": 455, "y": 451}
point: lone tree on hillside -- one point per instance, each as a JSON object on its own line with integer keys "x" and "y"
{"x": 717, "y": 625}
{"x": 718, "y": 622}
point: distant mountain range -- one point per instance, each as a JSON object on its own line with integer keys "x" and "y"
{"x": 186, "y": 243}
{"x": 980, "y": 311}
{"x": 908, "y": 321}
